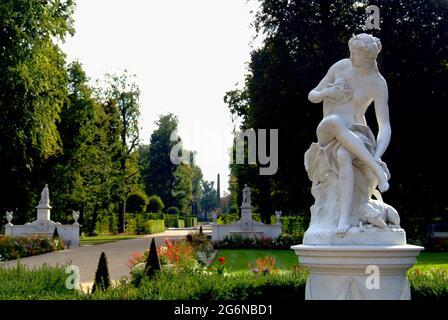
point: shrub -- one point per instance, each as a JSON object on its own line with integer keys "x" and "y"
{"x": 190, "y": 221}
{"x": 428, "y": 284}
{"x": 200, "y": 285}
{"x": 12, "y": 247}
{"x": 55, "y": 233}
{"x": 102, "y": 278}
{"x": 155, "y": 226}
{"x": 106, "y": 224}
{"x": 173, "y": 210}
{"x": 293, "y": 225}
{"x": 137, "y": 202}
{"x": 173, "y": 221}
{"x": 155, "y": 204}
{"x": 153, "y": 263}
{"x": 38, "y": 283}
{"x": 144, "y": 223}
{"x": 239, "y": 242}
{"x": 233, "y": 217}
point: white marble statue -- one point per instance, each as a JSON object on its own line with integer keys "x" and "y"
{"x": 345, "y": 164}
{"x": 45, "y": 197}
{"x": 246, "y": 196}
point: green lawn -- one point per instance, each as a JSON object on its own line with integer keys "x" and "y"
{"x": 238, "y": 259}
{"x": 106, "y": 239}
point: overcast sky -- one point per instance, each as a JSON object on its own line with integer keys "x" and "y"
{"x": 185, "y": 54}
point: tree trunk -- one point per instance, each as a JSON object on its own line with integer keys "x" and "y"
{"x": 122, "y": 209}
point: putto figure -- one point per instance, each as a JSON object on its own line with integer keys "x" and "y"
{"x": 345, "y": 164}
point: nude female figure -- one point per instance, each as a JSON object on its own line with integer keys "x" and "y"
{"x": 347, "y": 90}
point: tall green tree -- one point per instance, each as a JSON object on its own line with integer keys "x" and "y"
{"x": 302, "y": 40}
{"x": 85, "y": 174}
{"x": 33, "y": 89}
{"x": 123, "y": 93}
{"x": 155, "y": 160}
{"x": 209, "y": 201}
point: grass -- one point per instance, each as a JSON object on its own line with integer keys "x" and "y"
{"x": 105, "y": 239}
{"x": 238, "y": 259}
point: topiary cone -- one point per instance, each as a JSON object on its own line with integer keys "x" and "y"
{"x": 102, "y": 279}
{"x": 153, "y": 263}
{"x": 201, "y": 233}
{"x": 55, "y": 233}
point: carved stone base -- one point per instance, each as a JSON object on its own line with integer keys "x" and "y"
{"x": 356, "y": 236}
{"x": 350, "y": 272}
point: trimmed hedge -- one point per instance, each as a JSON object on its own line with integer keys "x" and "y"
{"x": 173, "y": 221}
{"x": 190, "y": 221}
{"x": 144, "y": 223}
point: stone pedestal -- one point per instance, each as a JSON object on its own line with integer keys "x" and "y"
{"x": 357, "y": 272}
{"x": 246, "y": 218}
{"x": 43, "y": 213}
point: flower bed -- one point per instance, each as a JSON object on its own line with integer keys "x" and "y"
{"x": 12, "y": 247}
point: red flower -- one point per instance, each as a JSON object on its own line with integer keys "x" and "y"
{"x": 221, "y": 260}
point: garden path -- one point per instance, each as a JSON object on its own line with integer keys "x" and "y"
{"x": 86, "y": 256}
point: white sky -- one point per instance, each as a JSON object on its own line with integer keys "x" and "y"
{"x": 185, "y": 54}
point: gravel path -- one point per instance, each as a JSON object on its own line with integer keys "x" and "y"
{"x": 86, "y": 257}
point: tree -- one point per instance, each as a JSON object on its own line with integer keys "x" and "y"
{"x": 102, "y": 278}
{"x": 84, "y": 173}
{"x": 209, "y": 201}
{"x": 137, "y": 202}
{"x": 302, "y": 39}
{"x": 123, "y": 94}
{"x": 33, "y": 84}
{"x": 153, "y": 263}
{"x": 159, "y": 170}
{"x": 182, "y": 191}
{"x": 155, "y": 204}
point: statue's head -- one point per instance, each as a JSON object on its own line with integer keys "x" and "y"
{"x": 364, "y": 48}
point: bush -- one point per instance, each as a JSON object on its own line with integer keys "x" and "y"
{"x": 293, "y": 225}
{"x": 155, "y": 226}
{"x": 233, "y": 217}
{"x": 107, "y": 224}
{"x": 12, "y": 247}
{"x": 190, "y": 221}
{"x": 199, "y": 285}
{"x": 173, "y": 221}
{"x": 155, "y": 204}
{"x": 173, "y": 210}
{"x": 137, "y": 202}
{"x": 239, "y": 242}
{"x": 428, "y": 284}
{"x": 144, "y": 223}
{"x": 102, "y": 278}
{"x": 153, "y": 263}
{"x": 44, "y": 282}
